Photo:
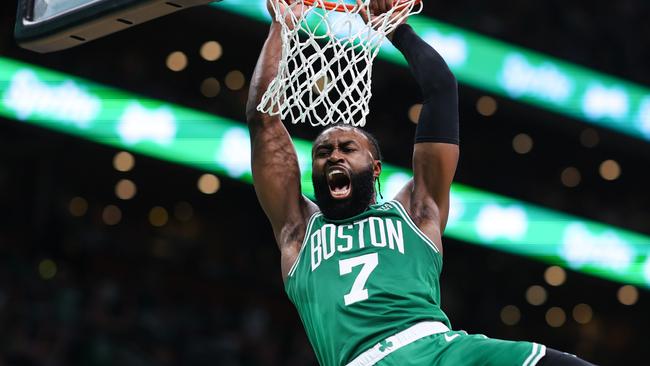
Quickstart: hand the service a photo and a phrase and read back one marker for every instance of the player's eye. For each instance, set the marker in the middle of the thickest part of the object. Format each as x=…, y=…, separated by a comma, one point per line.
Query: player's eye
x=322, y=153
x=347, y=149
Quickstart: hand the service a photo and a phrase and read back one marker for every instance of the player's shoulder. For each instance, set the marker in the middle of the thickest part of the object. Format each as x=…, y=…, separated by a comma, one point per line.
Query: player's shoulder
x=293, y=232
x=309, y=209
x=296, y=225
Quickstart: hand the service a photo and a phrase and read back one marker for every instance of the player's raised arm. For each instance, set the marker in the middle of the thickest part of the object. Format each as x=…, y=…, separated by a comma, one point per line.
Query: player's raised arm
x=435, y=154
x=276, y=174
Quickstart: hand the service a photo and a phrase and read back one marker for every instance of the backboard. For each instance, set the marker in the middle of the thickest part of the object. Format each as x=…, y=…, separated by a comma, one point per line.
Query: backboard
x=53, y=25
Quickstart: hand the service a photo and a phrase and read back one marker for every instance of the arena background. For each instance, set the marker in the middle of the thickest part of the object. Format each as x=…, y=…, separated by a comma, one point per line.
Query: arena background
x=168, y=274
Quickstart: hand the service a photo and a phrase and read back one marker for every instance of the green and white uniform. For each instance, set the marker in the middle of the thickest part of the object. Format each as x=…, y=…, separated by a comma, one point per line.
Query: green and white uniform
x=367, y=291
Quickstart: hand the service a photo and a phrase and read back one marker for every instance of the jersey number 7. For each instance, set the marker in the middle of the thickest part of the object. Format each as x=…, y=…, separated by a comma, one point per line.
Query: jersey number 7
x=358, y=291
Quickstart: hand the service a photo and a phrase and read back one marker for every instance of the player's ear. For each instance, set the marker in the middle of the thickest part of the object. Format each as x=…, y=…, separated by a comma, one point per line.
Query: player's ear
x=376, y=168
x=376, y=172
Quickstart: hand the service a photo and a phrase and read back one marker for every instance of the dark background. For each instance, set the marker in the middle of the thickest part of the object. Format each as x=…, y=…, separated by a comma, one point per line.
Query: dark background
x=207, y=290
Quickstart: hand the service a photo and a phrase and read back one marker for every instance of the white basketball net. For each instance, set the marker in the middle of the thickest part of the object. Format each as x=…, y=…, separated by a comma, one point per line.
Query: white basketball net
x=324, y=75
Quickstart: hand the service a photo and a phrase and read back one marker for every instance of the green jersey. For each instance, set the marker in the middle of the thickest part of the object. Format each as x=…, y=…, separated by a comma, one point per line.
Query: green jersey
x=359, y=280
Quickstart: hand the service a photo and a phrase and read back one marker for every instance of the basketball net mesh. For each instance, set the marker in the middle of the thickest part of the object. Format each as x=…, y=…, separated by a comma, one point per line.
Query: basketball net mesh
x=325, y=72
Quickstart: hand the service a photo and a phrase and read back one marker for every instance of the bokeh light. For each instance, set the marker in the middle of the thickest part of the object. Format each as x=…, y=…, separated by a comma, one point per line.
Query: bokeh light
x=235, y=80
x=111, y=215
x=522, y=143
x=158, y=216
x=536, y=295
x=123, y=161
x=47, y=269
x=628, y=295
x=125, y=189
x=210, y=87
x=211, y=50
x=176, y=61
x=555, y=275
x=486, y=106
x=209, y=183
x=570, y=177
x=582, y=313
x=78, y=206
x=510, y=315
x=609, y=170
x=555, y=317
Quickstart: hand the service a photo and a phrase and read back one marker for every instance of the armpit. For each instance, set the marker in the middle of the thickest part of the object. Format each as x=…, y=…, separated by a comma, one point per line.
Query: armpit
x=424, y=211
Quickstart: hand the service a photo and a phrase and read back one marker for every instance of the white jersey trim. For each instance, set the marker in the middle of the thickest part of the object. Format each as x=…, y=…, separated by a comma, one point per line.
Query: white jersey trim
x=539, y=351
x=304, y=243
x=415, y=228
x=397, y=341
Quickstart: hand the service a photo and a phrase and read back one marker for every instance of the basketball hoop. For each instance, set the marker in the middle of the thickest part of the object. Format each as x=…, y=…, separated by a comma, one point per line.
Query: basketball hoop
x=324, y=75
x=341, y=7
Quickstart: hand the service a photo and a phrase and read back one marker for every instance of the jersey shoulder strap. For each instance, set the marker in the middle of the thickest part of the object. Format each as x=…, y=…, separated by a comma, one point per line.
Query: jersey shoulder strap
x=402, y=211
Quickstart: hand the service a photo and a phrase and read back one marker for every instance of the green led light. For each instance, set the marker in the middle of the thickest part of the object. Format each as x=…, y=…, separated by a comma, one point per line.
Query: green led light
x=181, y=135
x=519, y=74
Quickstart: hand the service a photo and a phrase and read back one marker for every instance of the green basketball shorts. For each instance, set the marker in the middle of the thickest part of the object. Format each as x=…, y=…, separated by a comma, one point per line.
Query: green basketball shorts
x=433, y=344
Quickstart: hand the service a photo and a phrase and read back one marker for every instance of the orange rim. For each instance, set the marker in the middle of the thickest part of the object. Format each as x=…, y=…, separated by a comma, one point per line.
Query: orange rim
x=328, y=5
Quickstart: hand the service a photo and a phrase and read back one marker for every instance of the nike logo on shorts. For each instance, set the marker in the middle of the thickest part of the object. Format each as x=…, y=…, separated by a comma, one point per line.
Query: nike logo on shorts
x=451, y=338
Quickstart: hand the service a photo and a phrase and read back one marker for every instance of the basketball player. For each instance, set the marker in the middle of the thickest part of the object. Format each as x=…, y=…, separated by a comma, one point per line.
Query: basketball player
x=364, y=276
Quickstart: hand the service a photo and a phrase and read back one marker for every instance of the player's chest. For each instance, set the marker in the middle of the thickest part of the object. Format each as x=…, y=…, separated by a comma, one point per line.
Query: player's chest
x=327, y=241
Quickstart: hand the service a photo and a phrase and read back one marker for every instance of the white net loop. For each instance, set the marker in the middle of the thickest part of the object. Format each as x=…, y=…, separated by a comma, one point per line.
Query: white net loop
x=325, y=73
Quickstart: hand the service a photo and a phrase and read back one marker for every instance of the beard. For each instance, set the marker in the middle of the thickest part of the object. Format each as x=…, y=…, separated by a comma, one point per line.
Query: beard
x=362, y=195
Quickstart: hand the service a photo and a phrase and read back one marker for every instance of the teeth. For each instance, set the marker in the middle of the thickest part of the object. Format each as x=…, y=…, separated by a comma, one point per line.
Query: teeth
x=340, y=192
x=337, y=191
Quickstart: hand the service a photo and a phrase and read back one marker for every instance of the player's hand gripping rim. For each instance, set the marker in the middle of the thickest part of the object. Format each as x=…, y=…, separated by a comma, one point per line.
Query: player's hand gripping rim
x=399, y=15
x=292, y=11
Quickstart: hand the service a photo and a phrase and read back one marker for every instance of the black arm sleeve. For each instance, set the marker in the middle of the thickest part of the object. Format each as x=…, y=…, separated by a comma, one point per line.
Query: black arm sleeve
x=556, y=358
x=438, y=120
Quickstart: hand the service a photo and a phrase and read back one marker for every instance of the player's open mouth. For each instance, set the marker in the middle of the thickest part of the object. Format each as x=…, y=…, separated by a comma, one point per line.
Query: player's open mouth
x=338, y=181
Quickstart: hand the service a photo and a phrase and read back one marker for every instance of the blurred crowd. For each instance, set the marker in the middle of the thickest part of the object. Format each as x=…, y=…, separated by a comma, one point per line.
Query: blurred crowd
x=93, y=295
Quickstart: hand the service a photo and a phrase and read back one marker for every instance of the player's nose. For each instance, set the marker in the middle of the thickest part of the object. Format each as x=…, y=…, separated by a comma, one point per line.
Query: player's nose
x=335, y=156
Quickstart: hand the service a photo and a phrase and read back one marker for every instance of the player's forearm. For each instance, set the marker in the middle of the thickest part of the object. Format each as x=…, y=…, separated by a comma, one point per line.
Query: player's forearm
x=438, y=120
x=265, y=70
x=274, y=163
